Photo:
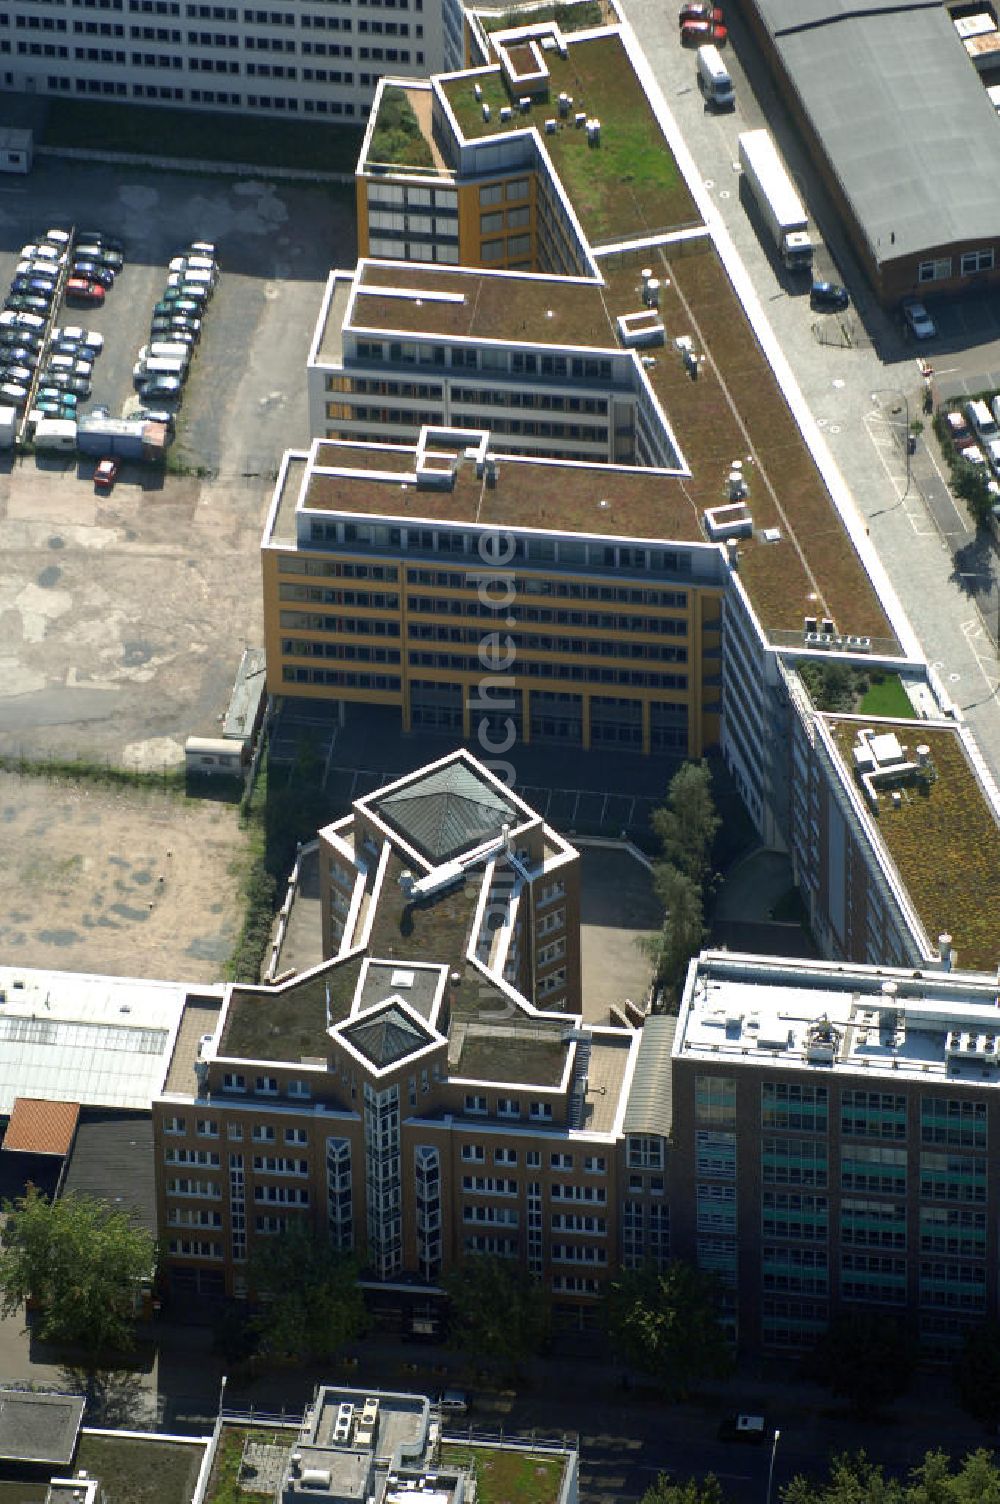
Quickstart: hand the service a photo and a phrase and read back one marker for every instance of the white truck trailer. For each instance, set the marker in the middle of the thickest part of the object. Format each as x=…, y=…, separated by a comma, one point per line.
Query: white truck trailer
x=779, y=203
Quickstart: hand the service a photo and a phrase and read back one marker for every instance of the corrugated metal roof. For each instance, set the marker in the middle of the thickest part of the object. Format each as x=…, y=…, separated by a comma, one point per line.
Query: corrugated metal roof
x=910, y=131
x=650, y=1107
x=40, y=1126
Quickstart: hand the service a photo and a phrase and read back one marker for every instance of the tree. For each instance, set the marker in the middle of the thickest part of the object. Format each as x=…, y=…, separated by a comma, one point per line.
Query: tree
x=310, y=1300
x=973, y=488
x=665, y=1324
x=692, y=1491
x=81, y=1262
x=683, y=932
x=865, y=1358
x=686, y=824
x=855, y=1480
x=497, y=1309
x=977, y=1374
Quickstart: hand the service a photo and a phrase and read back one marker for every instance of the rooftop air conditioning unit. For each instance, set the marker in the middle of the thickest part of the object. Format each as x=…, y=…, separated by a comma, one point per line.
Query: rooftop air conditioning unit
x=505, y=112
x=814, y=640
x=550, y=126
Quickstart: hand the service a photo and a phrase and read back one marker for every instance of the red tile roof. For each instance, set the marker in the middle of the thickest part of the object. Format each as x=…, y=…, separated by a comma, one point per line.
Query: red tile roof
x=38, y=1126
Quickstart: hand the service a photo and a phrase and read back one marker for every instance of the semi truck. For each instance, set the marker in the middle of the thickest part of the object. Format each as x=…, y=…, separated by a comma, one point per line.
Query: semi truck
x=122, y=438
x=776, y=198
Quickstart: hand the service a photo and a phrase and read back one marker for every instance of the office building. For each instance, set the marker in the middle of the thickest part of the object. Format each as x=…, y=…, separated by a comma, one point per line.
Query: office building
x=835, y=1134
x=299, y=59
x=430, y=1091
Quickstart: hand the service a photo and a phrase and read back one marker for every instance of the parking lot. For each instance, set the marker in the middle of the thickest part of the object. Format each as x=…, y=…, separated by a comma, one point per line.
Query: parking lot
x=122, y=618
x=246, y=399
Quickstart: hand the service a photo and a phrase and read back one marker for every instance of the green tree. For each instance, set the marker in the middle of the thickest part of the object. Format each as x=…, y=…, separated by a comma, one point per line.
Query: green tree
x=686, y=824
x=683, y=932
x=705, y=1490
x=310, y=1300
x=81, y=1261
x=855, y=1480
x=977, y=1373
x=665, y=1323
x=866, y=1359
x=497, y=1309
x=971, y=483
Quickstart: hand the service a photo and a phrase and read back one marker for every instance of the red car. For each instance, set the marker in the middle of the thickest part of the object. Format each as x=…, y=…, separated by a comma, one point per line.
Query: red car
x=697, y=33
x=105, y=474
x=81, y=290
x=699, y=10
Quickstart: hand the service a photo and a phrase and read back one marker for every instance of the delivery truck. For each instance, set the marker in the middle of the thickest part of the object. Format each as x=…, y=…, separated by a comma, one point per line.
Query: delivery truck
x=776, y=198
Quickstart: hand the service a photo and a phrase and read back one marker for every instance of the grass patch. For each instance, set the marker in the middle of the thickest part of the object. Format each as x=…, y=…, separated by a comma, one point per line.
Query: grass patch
x=140, y=1472
x=104, y=774
x=509, y=1476
x=284, y=808
x=201, y=135
x=570, y=17
x=224, y=1483
x=397, y=136
x=887, y=697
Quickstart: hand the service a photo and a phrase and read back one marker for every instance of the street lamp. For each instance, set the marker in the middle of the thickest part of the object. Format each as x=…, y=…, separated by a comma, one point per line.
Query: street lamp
x=770, y=1471
x=222, y=1390
x=895, y=392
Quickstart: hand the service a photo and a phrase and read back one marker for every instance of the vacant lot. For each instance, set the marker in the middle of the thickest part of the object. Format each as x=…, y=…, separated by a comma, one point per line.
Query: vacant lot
x=128, y=882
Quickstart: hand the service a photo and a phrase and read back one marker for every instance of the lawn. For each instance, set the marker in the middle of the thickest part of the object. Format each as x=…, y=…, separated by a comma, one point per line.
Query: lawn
x=510, y=1475
x=887, y=697
x=202, y=134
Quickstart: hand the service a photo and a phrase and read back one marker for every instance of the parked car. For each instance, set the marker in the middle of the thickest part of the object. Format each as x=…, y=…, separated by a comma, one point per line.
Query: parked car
x=95, y=272
x=185, y=306
x=42, y=252
x=65, y=382
x=829, y=297
x=12, y=394
x=13, y=372
x=697, y=33
x=161, y=330
x=18, y=355
x=101, y=238
x=65, y=399
x=37, y=269
x=918, y=320
x=90, y=339
x=157, y=415
x=201, y=248
x=105, y=474
x=71, y=365
x=163, y=389
x=699, y=10
x=59, y=238
x=38, y=286
x=83, y=290
x=102, y=254
x=53, y=407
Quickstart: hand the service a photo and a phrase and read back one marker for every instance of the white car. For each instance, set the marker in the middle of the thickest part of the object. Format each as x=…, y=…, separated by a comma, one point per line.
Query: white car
x=40, y=253
x=75, y=334
x=920, y=323
x=71, y=365
x=58, y=237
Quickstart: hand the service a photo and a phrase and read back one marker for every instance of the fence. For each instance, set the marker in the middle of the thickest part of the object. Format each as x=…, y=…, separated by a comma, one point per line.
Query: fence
x=192, y=164
x=284, y=912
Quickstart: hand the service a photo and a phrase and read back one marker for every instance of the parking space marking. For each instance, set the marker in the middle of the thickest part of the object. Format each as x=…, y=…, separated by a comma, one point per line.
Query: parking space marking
x=974, y=631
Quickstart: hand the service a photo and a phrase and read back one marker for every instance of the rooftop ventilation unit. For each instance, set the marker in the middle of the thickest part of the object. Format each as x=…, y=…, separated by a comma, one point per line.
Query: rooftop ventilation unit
x=810, y=624
x=506, y=112
x=486, y=112
x=580, y=119
x=593, y=132
x=525, y=103
x=550, y=126
x=477, y=89
x=565, y=102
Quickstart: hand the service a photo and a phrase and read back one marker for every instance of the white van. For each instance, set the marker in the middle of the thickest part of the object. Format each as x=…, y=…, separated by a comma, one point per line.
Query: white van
x=164, y=350
x=151, y=370
x=713, y=79
x=982, y=420
x=56, y=435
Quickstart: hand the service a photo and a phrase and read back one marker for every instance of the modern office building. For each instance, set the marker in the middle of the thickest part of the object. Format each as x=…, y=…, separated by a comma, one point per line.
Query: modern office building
x=431, y=1090
x=301, y=59
x=835, y=1140
x=551, y=337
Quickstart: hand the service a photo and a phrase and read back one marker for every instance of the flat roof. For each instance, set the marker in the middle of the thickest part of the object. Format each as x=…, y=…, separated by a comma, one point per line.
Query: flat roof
x=39, y=1126
x=112, y=1160
x=800, y=560
x=40, y=1428
x=901, y=113
x=74, y=1037
x=766, y=1013
x=944, y=836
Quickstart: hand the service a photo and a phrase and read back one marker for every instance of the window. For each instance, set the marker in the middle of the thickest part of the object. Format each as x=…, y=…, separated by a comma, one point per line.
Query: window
x=715, y=1154
x=934, y=271
x=541, y=1112
x=505, y=1156
x=793, y=1161
x=872, y=1114
x=208, y=1128
x=957, y=1124
x=873, y=1169
x=490, y=193
x=595, y=1164
x=489, y=224
x=262, y=1134
x=234, y=1133
x=952, y=1177
x=715, y=1101
x=473, y=1154
x=296, y=1136
x=532, y=1159
x=175, y=1125
x=977, y=261
x=561, y=1161
x=508, y=1107
x=872, y=1224
x=517, y=188
x=784, y=1105
x=298, y=1088
x=266, y=1086
x=475, y=1104
x=645, y=1152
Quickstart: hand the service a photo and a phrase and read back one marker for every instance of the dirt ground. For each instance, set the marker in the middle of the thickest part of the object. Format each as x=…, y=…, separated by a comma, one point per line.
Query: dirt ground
x=127, y=882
